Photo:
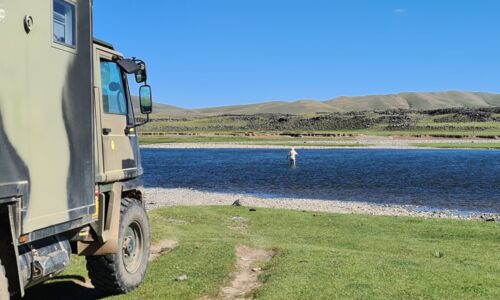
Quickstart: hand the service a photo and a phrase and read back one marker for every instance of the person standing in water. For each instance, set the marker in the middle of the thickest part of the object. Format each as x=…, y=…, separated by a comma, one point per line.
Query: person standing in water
x=292, y=155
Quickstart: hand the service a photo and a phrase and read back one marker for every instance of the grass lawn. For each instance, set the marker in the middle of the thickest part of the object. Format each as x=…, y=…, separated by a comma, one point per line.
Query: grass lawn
x=460, y=145
x=319, y=256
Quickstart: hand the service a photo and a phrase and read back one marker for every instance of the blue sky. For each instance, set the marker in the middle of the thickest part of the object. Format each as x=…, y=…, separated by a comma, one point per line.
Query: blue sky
x=204, y=53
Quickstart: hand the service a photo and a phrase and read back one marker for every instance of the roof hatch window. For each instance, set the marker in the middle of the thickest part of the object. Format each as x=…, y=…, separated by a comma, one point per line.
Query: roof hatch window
x=64, y=23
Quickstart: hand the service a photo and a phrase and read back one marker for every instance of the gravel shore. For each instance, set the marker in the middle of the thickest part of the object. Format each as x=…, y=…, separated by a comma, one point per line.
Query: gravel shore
x=359, y=142
x=160, y=197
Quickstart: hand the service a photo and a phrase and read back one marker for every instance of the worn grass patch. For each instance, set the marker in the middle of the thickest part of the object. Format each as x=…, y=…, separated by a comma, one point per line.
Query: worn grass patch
x=322, y=256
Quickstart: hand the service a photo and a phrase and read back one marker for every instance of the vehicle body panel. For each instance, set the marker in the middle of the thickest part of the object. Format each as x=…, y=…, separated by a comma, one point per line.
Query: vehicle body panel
x=46, y=115
x=62, y=178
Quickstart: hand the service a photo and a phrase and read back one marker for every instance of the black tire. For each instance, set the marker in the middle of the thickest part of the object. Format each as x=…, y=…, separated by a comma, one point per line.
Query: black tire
x=122, y=272
x=4, y=284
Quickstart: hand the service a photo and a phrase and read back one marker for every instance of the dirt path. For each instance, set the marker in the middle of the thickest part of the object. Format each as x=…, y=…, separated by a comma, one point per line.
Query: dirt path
x=246, y=277
x=161, y=248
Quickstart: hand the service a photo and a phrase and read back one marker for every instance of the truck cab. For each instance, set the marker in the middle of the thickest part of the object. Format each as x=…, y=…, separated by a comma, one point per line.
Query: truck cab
x=69, y=156
x=117, y=147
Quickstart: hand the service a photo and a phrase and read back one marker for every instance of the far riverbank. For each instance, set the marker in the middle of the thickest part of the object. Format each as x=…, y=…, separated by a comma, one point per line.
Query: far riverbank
x=358, y=142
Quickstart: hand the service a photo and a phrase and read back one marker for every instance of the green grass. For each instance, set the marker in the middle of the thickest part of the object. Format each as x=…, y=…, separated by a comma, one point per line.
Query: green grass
x=460, y=145
x=319, y=256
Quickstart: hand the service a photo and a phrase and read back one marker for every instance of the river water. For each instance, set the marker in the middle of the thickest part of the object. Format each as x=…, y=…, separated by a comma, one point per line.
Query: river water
x=463, y=180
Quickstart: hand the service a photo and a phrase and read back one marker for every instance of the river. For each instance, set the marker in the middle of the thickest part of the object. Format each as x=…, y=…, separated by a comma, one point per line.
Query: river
x=462, y=180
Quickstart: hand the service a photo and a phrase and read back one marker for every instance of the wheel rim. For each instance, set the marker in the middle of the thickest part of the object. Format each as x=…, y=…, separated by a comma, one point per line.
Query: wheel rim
x=132, y=249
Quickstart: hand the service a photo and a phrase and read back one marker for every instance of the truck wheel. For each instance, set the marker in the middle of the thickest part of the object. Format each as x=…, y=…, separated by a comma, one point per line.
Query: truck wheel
x=122, y=272
x=4, y=284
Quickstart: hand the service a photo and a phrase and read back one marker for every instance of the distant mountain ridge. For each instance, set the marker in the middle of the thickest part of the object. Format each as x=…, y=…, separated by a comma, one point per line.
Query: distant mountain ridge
x=417, y=101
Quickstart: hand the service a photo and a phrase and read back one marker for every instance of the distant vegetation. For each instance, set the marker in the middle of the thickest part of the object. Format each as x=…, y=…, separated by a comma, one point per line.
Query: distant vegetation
x=450, y=122
x=447, y=114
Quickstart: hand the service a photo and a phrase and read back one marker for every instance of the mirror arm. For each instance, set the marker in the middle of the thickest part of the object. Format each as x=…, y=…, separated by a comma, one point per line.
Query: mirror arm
x=143, y=123
x=136, y=60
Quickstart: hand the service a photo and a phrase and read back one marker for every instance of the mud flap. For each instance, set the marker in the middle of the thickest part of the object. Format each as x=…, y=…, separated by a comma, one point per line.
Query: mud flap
x=10, y=215
x=107, y=228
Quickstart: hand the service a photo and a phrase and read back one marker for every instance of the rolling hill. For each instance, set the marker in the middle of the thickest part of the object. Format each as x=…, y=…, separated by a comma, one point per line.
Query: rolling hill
x=417, y=101
x=161, y=110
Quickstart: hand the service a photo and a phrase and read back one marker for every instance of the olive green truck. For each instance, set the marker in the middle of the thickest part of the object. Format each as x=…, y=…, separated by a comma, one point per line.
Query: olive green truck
x=69, y=155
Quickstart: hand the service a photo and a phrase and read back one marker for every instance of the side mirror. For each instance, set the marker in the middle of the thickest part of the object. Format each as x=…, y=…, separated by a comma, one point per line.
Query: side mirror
x=141, y=74
x=146, y=99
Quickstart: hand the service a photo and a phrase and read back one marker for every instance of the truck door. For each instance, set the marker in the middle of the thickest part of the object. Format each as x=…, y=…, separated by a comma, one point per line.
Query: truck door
x=118, y=138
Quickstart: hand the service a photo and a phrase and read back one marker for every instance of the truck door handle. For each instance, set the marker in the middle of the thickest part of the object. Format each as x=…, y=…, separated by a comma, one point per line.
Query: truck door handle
x=106, y=131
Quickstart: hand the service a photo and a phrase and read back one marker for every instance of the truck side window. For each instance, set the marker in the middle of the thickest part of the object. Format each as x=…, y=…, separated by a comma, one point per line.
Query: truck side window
x=64, y=23
x=113, y=90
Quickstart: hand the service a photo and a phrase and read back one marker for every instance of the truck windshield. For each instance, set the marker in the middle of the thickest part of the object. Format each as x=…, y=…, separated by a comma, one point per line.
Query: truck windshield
x=113, y=89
